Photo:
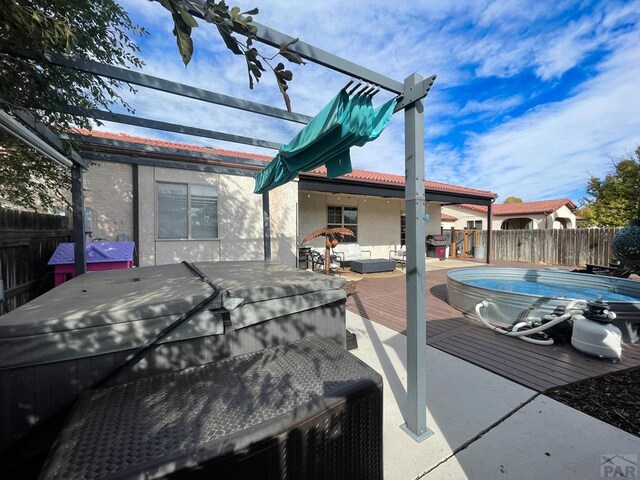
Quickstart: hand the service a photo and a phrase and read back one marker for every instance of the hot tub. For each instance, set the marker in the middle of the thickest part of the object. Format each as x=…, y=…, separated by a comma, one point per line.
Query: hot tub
x=518, y=293
x=63, y=342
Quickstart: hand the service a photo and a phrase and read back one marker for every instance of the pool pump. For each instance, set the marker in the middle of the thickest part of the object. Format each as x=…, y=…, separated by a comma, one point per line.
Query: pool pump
x=587, y=322
x=593, y=333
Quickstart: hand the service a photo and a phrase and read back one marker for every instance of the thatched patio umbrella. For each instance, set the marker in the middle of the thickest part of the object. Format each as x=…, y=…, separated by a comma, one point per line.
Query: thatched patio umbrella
x=333, y=236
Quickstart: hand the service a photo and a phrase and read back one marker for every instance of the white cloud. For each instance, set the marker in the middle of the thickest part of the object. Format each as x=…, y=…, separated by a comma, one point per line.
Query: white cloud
x=552, y=150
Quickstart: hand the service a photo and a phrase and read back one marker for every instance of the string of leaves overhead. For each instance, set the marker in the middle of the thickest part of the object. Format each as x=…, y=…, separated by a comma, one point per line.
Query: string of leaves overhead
x=230, y=22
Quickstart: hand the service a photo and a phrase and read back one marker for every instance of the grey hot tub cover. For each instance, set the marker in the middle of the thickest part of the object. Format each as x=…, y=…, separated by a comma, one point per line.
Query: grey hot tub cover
x=117, y=310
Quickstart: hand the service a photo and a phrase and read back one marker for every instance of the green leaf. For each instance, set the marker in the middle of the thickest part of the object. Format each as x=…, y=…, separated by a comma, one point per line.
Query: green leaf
x=253, y=11
x=185, y=44
x=293, y=57
x=187, y=17
x=230, y=41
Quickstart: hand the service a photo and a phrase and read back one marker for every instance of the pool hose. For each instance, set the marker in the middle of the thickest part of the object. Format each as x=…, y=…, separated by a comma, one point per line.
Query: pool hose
x=571, y=309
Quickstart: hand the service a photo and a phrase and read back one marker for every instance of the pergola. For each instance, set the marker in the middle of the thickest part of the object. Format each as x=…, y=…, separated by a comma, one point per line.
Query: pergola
x=25, y=126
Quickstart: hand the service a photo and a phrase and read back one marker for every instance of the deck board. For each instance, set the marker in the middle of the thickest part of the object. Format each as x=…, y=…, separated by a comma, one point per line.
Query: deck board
x=535, y=366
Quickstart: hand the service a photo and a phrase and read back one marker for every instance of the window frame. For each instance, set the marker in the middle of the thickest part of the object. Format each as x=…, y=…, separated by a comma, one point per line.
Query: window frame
x=342, y=224
x=475, y=225
x=189, y=237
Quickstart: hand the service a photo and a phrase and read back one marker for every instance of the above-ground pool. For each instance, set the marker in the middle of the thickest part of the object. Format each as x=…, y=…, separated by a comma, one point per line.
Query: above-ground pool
x=518, y=293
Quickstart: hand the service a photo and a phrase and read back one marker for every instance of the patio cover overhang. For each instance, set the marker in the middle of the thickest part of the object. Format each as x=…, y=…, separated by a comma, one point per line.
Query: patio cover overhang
x=347, y=185
x=411, y=92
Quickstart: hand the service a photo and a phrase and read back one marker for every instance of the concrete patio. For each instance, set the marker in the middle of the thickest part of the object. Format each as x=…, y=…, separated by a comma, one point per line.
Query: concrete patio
x=485, y=426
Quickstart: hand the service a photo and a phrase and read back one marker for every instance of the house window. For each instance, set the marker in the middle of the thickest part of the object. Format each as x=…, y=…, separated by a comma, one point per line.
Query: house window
x=474, y=224
x=403, y=229
x=187, y=211
x=346, y=217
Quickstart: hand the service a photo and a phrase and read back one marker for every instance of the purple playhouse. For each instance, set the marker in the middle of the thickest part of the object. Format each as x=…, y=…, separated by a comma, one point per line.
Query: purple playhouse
x=100, y=256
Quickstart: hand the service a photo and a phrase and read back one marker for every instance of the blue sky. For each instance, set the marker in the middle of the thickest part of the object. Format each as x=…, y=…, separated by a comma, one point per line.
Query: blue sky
x=531, y=98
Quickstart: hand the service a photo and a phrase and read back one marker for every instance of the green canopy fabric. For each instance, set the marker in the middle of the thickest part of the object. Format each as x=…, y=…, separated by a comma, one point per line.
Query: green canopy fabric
x=344, y=122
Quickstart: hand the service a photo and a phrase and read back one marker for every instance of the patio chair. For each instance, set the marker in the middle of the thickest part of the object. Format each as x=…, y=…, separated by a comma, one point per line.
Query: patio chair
x=317, y=261
x=400, y=255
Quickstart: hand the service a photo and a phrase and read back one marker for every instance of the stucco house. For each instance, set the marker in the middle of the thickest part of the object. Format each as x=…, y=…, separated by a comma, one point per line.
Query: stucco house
x=556, y=214
x=186, y=202
x=447, y=221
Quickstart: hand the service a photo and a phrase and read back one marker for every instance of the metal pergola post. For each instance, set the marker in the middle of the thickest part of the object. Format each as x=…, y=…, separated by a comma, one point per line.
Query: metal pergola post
x=77, y=202
x=266, y=227
x=416, y=411
x=489, y=231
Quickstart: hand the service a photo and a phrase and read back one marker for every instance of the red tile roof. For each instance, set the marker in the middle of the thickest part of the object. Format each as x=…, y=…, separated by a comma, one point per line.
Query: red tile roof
x=447, y=218
x=357, y=175
x=389, y=178
x=177, y=145
x=525, y=208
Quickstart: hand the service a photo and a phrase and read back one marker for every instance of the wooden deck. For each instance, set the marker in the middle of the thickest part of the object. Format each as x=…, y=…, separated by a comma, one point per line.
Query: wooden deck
x=534, y=366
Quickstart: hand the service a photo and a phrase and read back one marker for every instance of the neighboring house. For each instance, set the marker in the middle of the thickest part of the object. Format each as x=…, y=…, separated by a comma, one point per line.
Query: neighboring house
x=447, y=221
x=557, y=214
x=187, y=202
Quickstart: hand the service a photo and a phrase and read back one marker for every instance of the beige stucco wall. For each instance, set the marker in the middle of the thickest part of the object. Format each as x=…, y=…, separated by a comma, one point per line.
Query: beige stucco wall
x=566, y=213
x=240, y=235
x=108, y=190
x=463, y=216
x=159, y=252
x=378, y=219
x=540, y=221
x=283, y=209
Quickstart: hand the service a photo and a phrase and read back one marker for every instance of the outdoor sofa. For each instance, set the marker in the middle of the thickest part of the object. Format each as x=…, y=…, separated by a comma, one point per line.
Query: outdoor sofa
x=348, y=252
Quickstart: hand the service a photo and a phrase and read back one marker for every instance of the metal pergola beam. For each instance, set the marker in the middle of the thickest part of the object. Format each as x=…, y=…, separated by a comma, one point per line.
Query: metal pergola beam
x=15, y=128
x=274, y=38
x=166, y=126
x=321, y=57
x=144, y=149
x=50, y=136
x=151, y=161
x=157, y=83
x=415, y=93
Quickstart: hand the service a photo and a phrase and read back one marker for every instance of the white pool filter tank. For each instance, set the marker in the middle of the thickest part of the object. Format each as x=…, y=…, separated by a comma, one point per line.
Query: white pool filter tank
x=594, y=334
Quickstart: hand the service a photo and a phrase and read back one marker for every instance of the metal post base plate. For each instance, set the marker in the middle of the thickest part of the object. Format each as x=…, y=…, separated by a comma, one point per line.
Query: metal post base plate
x=416, y=438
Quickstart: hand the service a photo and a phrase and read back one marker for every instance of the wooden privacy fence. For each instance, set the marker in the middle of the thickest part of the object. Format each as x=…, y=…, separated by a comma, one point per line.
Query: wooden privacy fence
x=27, y=241
x=571, y=247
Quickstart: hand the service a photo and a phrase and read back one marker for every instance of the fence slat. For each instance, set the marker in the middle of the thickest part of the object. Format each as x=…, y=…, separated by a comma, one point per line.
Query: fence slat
x=570, y=247
x=27, y=241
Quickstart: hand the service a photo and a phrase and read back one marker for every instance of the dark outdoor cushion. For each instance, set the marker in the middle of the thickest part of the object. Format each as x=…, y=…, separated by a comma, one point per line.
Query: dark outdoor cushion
x=374, y=265
x=308, y=409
